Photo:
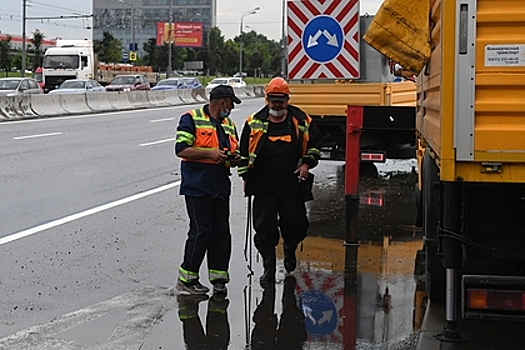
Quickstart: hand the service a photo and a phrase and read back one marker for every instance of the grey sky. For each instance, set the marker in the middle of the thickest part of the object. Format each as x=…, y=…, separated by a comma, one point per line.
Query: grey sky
x=267, y=21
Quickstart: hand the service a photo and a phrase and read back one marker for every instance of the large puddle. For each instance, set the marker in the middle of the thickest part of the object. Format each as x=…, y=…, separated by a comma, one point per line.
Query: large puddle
x=351, y=290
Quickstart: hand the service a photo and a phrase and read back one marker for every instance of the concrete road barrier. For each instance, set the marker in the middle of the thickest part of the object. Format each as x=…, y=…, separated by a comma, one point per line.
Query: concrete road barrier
x=199, y=95
x=249, y=90
x=185, y=96
x=74, y=103
x=240, y=92
x=19, y=107
x=138, y=99
x=16, y=107
x=6, y=107
x=25, y=106
x=157, y=98
x=172, y=97
x=119, y=100
x=47, y=105
x=2, y=115
x=99, y=101
x=258, y=90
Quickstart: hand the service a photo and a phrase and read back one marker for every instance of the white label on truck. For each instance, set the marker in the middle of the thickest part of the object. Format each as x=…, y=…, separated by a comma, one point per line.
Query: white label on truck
x=505, y=55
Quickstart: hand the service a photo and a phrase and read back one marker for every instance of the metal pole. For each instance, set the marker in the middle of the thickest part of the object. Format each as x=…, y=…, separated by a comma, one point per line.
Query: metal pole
x=132, y=44
x=207, y=55
x=240, y=48
x=244, y=14
x=132, y=27
x=23, y=72
x=283, y=41
x=168, y=73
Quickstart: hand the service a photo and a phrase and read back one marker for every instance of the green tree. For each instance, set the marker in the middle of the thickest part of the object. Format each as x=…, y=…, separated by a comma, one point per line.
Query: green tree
x=17, y=60
x=230, y=57
x=5, y=57
x=150, y=47
x=214, y=51
x=38, y=38
x=109, y=49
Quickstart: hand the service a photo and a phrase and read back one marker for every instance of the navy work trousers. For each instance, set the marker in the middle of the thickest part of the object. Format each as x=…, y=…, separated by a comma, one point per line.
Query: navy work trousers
x=209, y=234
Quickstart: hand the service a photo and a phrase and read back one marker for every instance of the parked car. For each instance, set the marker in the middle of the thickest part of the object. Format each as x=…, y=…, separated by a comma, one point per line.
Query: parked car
x=128, y=83
x=73, y=86
x=233, y=81
x=19, y=86
x=178, y=83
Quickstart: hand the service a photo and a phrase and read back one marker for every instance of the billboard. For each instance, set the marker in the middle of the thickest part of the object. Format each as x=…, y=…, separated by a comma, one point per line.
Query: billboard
x=184, y=34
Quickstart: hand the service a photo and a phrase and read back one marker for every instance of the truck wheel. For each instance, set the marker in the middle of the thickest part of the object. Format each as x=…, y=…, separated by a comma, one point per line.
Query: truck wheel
x=431, y=197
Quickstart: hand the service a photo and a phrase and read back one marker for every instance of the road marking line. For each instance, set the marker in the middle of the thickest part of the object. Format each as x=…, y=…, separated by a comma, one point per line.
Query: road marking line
x=156, y=142
x=35, y=136
x=36, y=229
x=143, y=308
x=161, y=120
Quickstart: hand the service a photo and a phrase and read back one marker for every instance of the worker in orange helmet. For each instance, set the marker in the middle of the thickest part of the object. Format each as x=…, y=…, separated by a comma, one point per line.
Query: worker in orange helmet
x=278, y=147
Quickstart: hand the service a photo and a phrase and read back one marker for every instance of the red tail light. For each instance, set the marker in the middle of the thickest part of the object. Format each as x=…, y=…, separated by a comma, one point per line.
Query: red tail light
x=377, y=157
x=491, y=299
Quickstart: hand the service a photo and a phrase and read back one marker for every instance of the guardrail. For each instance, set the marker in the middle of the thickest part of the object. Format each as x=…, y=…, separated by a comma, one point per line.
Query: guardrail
x=42, y=106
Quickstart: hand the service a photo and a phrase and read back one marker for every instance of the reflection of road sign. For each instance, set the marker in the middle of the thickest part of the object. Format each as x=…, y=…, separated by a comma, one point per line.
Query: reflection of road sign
x=321, y=300
x=132, y=56
x=323, y=39
x=125, y=56
x=320, y=315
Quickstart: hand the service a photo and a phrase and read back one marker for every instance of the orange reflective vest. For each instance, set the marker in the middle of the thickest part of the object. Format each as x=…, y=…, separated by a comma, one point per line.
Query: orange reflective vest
x=206, y=136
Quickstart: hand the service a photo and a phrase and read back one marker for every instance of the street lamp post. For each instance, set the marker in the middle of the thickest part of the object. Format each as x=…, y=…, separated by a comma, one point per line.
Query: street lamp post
x=23, y=67
x=132, y=46
x=244, y=14
x=170, y=34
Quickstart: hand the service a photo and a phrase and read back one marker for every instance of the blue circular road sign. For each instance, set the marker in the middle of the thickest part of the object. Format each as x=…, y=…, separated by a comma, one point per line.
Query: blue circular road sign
x=322, y=39
x=320, y=313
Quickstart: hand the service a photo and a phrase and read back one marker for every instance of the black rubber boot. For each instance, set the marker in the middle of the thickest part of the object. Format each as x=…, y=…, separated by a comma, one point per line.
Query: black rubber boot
x=290, y=261
x=268, y=256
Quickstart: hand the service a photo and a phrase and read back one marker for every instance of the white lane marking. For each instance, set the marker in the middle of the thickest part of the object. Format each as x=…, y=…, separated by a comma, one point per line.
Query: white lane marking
x=36, y=136
x=36, y=229
x=142, y=308
x=156, y=142
x=161, y=120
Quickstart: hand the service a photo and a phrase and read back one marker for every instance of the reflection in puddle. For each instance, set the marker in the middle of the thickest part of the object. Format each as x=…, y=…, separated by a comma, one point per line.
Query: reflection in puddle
x=365, y=302
x=341, y=296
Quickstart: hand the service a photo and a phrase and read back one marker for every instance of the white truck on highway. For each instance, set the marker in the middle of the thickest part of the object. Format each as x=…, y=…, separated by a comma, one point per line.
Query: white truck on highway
x=70, y=59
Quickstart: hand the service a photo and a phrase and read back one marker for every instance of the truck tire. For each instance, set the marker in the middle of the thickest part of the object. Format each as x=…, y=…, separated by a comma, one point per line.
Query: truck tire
x=431, y=198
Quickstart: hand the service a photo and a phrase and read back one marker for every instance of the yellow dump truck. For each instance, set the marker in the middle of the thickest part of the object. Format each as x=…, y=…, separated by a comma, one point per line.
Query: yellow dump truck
x=388, y=128
x=471, y=136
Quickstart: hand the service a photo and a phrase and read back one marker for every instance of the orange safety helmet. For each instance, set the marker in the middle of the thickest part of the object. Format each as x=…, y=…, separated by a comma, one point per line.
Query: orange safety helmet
x=277, y=86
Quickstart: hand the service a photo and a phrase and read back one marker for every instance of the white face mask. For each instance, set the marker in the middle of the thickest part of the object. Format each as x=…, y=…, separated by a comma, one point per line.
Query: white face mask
x=275, y=113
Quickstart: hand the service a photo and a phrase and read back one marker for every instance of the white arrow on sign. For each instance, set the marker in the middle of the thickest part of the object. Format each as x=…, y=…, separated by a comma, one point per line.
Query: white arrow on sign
x=332, y=39
x=327, y=316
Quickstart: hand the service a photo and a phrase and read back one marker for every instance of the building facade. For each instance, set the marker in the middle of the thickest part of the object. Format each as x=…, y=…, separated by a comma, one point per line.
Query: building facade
x=125, y=19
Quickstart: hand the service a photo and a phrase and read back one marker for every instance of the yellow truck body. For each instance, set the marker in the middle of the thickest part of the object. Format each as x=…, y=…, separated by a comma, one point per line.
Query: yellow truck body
x=325, y=100
x=327, y=103
x=471, y=110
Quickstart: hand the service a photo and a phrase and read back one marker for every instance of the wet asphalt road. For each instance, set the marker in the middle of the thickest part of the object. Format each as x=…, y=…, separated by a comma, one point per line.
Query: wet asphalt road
x=103, y=281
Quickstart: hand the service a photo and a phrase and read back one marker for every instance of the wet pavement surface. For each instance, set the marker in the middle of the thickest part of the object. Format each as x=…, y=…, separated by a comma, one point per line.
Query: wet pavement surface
x=342, y=295
x=332, y=300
